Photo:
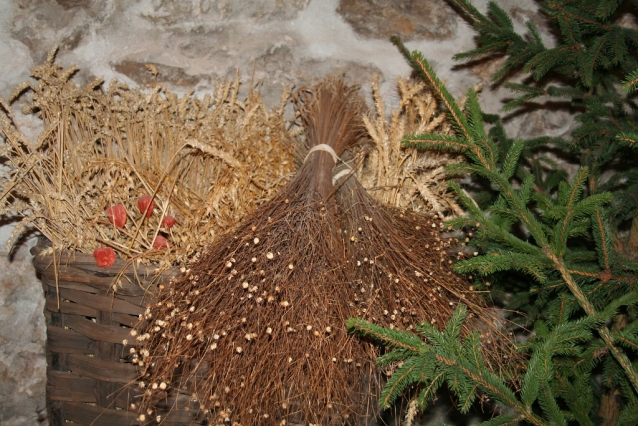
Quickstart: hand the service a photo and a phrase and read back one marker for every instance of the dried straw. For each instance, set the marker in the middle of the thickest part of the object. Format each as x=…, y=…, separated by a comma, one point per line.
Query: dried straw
x=207, y=162
x=407, y=178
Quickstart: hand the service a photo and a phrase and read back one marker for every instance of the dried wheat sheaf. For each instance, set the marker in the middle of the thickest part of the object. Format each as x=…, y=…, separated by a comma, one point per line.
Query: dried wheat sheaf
x=400, y=177
x=254, y=330
x=205, y=162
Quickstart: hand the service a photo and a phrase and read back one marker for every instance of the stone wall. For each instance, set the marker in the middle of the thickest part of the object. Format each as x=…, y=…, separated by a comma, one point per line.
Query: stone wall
x=273, y=43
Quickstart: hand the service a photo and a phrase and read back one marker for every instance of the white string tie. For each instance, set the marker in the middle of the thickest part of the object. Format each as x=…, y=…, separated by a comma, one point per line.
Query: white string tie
x=323, y=147
x=341, y=174
x=335, y=157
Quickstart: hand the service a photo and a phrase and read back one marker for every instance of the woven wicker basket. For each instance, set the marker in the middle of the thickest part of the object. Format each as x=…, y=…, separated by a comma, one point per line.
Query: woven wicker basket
x=88, y=373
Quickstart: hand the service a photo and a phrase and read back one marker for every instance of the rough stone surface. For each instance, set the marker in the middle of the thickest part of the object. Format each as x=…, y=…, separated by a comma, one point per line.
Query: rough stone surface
x=22, y=336
x=273, y=43
x=410, y=19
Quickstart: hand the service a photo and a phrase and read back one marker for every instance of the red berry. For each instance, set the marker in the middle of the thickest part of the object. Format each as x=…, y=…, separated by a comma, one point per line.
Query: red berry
x=146, y=204
x=117, y=215
x=168, y=222
x=104, y=257
x=161, y=243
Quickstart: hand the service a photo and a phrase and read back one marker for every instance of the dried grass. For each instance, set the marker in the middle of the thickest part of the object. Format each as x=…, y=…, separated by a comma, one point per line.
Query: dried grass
x=407, y=178
x=207, y=162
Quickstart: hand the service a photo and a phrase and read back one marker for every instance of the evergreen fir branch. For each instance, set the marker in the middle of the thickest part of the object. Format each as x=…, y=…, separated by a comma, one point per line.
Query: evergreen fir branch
x=436, y=339
x=591, y=204
x=480, y=20
x=455, y=323
x=629, y=138
x=510, y=162
x=534, y=34
x=499, y=17
x=429, y=389
x=579, y=228
x=602, y=235
x=571, y=213
x=629, y=341
x=399, y=382
x=494, y=387
x=501, y=214
x=570, y=30
x=524, y=194
x=397, y=355
x=517, y=102
x=630, y=35
x=530, y=92
x=585, y=71
x=554, y=8
x=544, y=202
x=631, y=327
x=547, y=401
x=578, y=397
x=568, y=345
x=404, y=50
x=630, y=83
x=460, y=169
x=612, y=308
x=496, y=231
x=396, y=339
x=626, y=388
x=524, y=88
x=597, y=53
x=472, y=347
x=510, y=244
x=488, y=264
x=544, y=61
x=516, y=59
x=624, y=47
x=603, y=330
x=466, y=401
x=568, y=195
x=628, y=415
x=606, y=8
x=441, y=91
x=533, y=380
x=564, y=312
x=425, y=70
x=475, y=120
x=581, y=257
x=534, y=224
x=436, y=141
x=485, y=50
x=564, y=92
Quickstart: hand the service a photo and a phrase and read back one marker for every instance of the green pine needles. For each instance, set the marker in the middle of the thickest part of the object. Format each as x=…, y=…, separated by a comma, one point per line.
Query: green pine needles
x=593, y=61
x=549, y=246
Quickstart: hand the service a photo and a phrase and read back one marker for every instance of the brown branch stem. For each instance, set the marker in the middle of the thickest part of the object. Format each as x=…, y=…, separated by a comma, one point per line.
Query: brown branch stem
x=591, y=311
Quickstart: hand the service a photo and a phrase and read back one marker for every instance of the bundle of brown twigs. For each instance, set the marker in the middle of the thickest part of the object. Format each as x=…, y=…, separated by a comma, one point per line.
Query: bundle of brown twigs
x=255, y=329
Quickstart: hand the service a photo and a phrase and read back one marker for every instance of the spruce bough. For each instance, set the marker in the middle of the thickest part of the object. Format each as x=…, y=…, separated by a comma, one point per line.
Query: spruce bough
x=555, y=241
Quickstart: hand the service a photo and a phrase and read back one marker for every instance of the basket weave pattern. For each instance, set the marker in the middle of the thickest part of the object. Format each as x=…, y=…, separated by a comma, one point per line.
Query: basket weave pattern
x=88, y=366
